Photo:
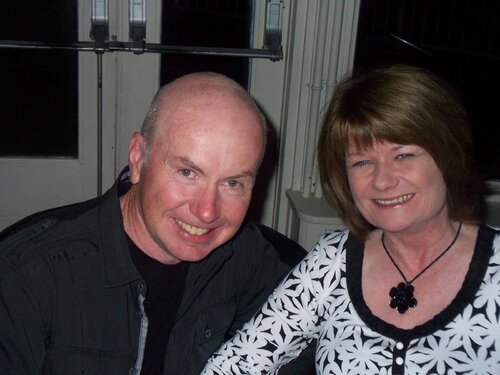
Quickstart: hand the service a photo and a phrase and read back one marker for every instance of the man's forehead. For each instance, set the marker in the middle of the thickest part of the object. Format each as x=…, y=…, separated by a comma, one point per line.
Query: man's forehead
x=220, y=113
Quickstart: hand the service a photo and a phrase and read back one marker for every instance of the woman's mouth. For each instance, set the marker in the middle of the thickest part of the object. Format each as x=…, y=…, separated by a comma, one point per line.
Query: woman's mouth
x=398, y=200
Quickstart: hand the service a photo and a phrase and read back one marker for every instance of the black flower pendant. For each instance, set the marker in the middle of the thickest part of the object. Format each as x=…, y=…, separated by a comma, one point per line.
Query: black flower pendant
x=402, y=297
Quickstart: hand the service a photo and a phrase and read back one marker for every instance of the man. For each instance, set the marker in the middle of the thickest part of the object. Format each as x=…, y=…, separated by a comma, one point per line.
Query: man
x=154, y=275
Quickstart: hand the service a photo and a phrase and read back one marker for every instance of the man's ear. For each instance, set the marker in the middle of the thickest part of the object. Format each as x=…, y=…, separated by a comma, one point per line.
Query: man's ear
x=136, y=156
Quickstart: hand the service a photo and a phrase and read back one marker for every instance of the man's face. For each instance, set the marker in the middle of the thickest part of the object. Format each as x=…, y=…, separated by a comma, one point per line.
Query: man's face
x=193, y=192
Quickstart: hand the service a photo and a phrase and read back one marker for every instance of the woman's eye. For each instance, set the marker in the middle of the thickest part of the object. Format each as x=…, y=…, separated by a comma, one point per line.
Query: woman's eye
x=405, y=156
x=360, y=163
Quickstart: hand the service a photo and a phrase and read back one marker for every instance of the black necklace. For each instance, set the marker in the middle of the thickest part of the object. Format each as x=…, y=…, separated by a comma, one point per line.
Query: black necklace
x=402, y=295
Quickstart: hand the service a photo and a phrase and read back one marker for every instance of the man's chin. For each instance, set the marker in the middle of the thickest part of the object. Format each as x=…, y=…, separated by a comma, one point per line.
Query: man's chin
x=195, y=256
x=195, y=250
x=195, y=253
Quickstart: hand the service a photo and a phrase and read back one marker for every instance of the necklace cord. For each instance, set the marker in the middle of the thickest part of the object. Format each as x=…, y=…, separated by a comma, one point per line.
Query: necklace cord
x=429, y=265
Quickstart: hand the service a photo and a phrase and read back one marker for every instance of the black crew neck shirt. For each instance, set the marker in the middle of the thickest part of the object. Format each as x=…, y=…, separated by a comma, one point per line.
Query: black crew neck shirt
x=165, y=286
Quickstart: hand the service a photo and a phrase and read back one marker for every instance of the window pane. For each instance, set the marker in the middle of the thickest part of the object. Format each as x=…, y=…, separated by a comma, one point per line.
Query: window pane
x=39, y=88
x=206, y=23
x=461, y=42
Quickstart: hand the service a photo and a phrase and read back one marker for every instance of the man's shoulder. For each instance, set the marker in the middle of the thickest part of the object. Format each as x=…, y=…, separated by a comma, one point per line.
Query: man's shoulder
x=44, y=230
x=260, y=238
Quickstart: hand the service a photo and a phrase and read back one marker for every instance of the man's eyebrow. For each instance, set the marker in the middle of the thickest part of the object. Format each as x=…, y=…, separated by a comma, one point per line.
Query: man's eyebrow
x=191, y=164
x=243, y=174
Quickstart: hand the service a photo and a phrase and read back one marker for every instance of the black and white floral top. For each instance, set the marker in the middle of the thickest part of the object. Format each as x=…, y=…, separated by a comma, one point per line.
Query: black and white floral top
x=322, y=299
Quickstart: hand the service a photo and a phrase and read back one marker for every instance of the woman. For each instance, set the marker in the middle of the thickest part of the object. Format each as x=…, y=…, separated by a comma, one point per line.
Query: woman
x=413, y=285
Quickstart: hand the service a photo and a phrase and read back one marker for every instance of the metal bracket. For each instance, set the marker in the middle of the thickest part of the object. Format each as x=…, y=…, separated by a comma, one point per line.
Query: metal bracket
x=100, y=24
x=137, y=25
x=274, y=20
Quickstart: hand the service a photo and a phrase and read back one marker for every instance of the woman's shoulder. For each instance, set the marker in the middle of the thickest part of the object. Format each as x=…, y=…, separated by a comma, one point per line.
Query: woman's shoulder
x=333, y=245
x=489, y=236
x=333, y=240
x=491, y=228
x=488, y=241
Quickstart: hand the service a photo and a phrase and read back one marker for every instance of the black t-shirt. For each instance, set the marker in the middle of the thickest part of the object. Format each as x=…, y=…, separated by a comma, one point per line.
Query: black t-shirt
x=165, y=286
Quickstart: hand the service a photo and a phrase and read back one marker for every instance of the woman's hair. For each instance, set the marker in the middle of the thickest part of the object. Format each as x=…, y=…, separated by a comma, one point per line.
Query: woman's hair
x=404, y=105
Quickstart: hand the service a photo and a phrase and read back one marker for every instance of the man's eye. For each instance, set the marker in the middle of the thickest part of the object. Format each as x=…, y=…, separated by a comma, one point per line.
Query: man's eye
x=186, y=173
x=233, y=184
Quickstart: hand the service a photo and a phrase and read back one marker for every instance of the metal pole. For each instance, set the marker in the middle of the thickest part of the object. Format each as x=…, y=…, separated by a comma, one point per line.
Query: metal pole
x=99, y=124
x=112, y=46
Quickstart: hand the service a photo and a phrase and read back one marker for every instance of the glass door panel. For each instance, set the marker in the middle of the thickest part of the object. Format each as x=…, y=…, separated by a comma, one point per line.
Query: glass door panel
x=39, y=88
x=208, y=24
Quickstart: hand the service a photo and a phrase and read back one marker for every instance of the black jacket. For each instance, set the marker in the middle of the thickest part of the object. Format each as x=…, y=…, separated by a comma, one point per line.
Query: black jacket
x=71, y=297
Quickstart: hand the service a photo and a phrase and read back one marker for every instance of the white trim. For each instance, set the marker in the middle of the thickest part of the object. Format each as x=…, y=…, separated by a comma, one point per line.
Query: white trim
x=266, y=85
x=301, y=110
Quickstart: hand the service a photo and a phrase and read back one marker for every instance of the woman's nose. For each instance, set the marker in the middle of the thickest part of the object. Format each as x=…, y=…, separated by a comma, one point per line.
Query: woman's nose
x=384, y=177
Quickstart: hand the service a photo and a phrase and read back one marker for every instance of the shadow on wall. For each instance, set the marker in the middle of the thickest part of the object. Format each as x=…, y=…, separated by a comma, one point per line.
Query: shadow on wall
x=266, y=171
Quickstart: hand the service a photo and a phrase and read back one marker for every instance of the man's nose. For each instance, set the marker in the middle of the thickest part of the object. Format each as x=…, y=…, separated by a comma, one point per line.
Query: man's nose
x=207, y=206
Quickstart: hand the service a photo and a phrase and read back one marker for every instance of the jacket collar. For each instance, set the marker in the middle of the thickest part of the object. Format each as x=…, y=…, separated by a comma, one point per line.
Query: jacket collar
x=119, y=267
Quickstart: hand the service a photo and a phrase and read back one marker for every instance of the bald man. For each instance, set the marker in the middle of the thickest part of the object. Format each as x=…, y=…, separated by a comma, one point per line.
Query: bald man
x=152, y=277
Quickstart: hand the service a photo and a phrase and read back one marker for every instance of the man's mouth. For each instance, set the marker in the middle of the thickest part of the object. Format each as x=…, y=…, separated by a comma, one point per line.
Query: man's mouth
x=192, y=229
x=398, y=200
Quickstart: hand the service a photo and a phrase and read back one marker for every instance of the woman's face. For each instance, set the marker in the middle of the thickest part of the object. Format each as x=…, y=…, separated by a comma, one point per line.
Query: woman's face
x=397, y=187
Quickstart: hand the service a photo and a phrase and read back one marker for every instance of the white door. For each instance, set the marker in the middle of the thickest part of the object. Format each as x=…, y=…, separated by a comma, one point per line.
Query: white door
x=31, y=184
